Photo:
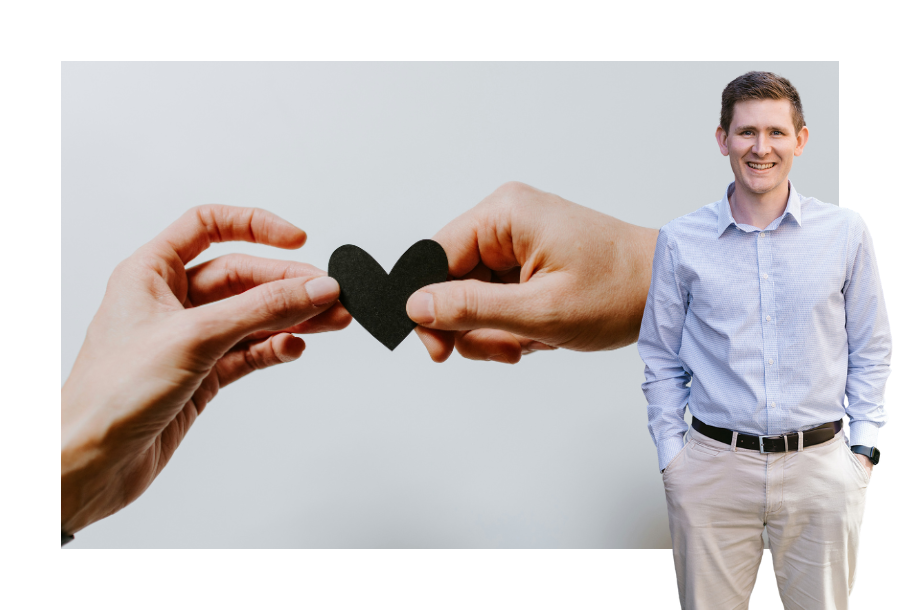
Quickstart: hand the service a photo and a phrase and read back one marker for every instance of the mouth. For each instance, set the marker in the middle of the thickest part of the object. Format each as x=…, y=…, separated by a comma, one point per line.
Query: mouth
x=760, y=167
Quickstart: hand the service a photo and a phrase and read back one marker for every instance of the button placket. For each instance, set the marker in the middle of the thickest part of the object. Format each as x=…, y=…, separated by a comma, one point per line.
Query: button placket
x=765, y=261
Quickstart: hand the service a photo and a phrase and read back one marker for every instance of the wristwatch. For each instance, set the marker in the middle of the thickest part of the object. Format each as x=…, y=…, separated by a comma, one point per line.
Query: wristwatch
x=870, y=452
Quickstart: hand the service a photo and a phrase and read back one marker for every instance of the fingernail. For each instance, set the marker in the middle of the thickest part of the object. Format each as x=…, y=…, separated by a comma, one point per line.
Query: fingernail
x=499, y=358
x=420, y=308
x=322, y=290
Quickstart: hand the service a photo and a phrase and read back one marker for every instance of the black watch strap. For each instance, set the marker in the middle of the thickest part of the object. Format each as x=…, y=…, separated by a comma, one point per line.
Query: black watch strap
x=870, y=452
x=66, y=538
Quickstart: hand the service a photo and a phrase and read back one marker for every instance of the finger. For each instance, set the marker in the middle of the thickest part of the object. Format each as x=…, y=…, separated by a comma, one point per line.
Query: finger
x=439, y=343
x=498, y=232
x=271, y=306
x=334, y=318
x=496, y=345
x=206, y=224
x=233, y=274
x=481, y=272
x=489, y=344
x=523, y=309
x=477, y=237
x=253, y=356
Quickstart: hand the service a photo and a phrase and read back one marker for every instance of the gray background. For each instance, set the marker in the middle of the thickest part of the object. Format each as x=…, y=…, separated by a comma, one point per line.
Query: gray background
x=352, y=445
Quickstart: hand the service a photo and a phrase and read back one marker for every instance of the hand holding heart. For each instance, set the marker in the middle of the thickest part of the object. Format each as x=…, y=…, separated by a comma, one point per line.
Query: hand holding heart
x=153, y=359
x=534, y=271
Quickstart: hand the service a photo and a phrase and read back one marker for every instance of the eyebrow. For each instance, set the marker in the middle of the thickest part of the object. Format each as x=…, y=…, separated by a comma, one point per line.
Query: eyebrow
x=745, y=127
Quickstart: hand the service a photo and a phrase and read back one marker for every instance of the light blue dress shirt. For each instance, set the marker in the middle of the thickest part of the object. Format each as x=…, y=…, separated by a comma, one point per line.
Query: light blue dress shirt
x=771, y=328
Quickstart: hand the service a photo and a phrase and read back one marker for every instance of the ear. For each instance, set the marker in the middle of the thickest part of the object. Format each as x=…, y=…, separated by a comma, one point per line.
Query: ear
x=722, y=139
x=802, y=139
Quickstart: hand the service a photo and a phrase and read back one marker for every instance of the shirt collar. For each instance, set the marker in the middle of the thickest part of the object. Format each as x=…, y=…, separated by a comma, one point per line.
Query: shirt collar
x=726, y=219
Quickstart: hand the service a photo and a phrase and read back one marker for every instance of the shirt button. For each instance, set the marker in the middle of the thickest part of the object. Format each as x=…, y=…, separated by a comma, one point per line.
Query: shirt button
x=762, y=234
x=768, y=318
x=765, y=276
x=771, y=361
x=772, y=405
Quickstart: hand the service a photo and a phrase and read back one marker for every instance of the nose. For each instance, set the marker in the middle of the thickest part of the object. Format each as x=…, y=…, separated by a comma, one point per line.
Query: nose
x=761, y=147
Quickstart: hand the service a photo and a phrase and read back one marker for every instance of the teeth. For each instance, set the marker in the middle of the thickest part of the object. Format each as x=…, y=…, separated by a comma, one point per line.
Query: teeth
x=761, y=165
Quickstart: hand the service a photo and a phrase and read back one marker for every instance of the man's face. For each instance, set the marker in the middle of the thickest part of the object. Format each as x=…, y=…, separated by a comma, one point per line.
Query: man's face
x=761, y=144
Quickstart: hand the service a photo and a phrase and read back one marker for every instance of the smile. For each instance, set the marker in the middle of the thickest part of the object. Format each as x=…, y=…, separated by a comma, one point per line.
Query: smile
x=761, y=165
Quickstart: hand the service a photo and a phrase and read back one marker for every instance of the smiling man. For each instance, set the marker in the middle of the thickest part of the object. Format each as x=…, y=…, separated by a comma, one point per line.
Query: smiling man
x=765, y=311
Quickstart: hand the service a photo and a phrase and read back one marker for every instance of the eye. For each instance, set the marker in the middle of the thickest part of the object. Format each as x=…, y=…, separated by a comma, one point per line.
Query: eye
x=778, y=133
x=746, y=132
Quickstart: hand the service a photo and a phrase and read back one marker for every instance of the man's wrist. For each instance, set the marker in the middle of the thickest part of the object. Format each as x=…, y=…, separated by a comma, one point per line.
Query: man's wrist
x=872, y=454
x=640, y=245
x=668, y=449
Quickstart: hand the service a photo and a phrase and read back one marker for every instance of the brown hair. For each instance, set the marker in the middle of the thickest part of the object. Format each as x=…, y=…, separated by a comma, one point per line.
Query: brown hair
x=760, y=86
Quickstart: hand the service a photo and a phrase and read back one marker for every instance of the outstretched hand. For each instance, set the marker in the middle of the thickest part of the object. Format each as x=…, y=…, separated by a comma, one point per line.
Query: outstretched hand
x=153, y=359
x=531, y=272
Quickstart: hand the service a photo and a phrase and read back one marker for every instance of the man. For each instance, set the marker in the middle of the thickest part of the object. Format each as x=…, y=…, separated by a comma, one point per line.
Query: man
x=764, y=310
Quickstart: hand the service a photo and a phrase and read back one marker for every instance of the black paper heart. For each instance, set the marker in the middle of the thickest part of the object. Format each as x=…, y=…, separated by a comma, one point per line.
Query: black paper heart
x=376, y=299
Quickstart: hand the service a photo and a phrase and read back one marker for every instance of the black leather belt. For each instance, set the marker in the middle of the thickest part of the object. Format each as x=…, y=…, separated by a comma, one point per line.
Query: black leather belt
x=771, y=443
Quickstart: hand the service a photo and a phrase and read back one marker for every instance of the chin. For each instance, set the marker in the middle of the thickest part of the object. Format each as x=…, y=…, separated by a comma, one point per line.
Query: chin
x=761, y=187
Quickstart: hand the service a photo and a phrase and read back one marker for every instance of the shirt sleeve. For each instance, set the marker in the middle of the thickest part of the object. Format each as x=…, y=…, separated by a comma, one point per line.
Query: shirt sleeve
x=868, y=338
x=666, y=382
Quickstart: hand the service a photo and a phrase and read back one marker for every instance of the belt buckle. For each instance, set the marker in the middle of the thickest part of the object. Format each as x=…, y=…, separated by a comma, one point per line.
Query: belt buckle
x=762, y=448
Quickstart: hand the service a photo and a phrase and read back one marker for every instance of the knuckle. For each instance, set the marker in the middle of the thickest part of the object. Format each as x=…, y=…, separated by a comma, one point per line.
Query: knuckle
x=140, y=266
x=235, y=269
x=513, y=194
x=204, y=214
x=252, y=360
x=513, y=189
x=274, y=300
x=209, y=215
x=472, y=301
x=147, y=256
x=208, y=211
x=121, y=271
x=233, y=281
x=460, y=303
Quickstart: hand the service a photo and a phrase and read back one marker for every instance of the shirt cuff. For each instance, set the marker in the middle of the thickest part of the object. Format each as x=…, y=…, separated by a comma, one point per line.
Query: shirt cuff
x=864, y=433
x=668, y=449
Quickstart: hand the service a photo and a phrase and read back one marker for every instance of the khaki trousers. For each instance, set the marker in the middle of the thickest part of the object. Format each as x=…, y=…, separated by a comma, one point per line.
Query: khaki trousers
x=810, y=502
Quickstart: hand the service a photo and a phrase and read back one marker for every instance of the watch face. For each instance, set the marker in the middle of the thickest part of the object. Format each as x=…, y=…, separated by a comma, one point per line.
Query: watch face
x=876, y=455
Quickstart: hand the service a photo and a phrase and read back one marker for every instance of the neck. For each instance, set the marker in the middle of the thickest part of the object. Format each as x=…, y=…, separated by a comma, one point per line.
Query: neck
x=758, y=209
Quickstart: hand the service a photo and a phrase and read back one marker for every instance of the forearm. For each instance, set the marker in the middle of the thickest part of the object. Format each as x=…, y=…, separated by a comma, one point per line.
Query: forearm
x=666, y=380
x=865, y=404
x=868, y=340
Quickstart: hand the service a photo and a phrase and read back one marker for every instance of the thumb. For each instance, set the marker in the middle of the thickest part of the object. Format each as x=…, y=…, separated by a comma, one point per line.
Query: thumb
x=472, y=304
